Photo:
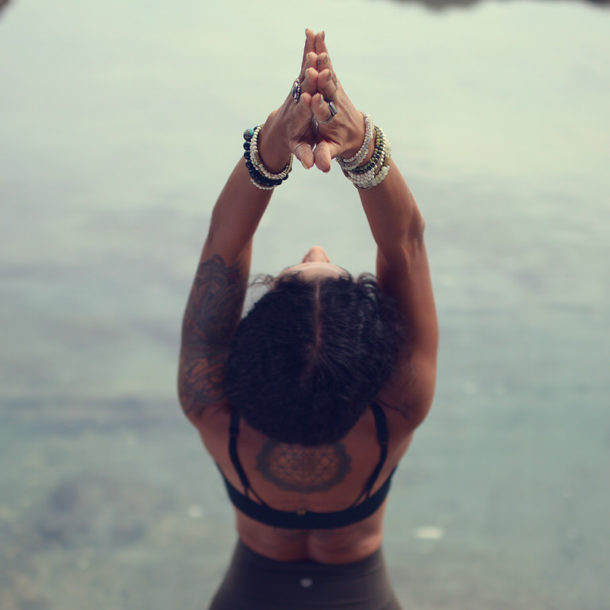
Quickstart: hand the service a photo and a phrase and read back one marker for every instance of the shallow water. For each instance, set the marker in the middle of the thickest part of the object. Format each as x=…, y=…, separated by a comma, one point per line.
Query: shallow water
x=118, y=129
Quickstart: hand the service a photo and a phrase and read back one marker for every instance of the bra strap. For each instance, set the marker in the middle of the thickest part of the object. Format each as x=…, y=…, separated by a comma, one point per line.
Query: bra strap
x=233, y=434
x=382, y=438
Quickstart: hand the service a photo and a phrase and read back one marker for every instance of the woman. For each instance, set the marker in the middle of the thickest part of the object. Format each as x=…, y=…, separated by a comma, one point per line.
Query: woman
x=309, y=402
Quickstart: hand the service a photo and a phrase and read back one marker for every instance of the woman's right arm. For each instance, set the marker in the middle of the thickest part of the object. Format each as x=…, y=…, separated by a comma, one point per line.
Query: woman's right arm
x=397, y=226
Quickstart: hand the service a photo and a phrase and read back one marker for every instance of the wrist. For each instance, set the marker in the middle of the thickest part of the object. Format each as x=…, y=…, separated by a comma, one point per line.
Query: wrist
x=273, y=147
x=369, y=152
x=358, y=133
x=364, y=142
x=260, y=175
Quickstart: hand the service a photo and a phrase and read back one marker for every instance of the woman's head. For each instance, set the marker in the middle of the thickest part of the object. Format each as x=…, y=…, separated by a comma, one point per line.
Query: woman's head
x=315, y=265
x=311, y=354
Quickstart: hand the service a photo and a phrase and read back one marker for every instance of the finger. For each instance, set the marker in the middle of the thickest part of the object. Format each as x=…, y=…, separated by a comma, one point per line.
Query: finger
x=304, y=105
x=324, y=153
x=301, y=148
x=310, y=45
x=327, y=84
x=311, y=59
x=302, y=115
x=320, y=109
x=310, y=83
x=304, y=153
x=319, y=43
x=323, y=62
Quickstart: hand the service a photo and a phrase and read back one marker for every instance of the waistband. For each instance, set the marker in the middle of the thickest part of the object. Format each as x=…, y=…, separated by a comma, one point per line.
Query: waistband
x=254, y=560
x=256, y=582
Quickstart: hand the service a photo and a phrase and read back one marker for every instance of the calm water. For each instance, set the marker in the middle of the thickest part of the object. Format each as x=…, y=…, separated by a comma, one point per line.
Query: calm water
x=118, y=128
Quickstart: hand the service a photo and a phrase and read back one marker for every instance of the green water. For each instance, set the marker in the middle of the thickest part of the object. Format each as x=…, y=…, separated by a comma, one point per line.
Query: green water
x=118, y=127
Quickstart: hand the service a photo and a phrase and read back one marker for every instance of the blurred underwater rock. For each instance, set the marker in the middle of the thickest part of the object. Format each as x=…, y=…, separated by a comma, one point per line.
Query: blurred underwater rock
x=19, y=589
x=98, y=511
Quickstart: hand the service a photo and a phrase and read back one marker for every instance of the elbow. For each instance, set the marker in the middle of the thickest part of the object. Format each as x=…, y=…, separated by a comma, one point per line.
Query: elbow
x=182, y=387
x=186, y=398
x=417, y=227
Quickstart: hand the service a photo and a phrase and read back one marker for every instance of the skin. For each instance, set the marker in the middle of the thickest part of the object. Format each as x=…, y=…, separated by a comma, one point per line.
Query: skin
x=290, y=477
x=315, y=265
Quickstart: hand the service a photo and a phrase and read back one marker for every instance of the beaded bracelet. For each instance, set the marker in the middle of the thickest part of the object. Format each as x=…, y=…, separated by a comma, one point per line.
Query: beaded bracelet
x=356, y=160
x=377, y=179
x=260, y=176
x=258, y=162
x=377, y=168
x=377, y=152
x=372, y=169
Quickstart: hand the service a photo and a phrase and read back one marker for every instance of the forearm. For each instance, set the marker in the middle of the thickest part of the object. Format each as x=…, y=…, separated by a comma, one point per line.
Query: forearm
x=395, y=220
x=403, y=272
x=235, y=218
x=241, y=204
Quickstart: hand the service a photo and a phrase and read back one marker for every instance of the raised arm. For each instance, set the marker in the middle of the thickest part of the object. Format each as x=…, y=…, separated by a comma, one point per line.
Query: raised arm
x=216, y=299
x=403, y=272
x=398, y=229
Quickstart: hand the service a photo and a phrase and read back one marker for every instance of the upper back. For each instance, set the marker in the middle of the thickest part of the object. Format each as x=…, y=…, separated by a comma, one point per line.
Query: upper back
x=323, y=479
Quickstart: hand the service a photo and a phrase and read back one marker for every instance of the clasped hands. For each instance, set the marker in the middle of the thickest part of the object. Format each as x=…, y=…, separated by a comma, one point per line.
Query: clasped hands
x=303, y=128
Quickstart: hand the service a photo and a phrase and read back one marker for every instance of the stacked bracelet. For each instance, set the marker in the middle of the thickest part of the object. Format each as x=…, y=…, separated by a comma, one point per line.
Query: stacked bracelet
x=377, y=152
x=260, y=176
x=374, y=171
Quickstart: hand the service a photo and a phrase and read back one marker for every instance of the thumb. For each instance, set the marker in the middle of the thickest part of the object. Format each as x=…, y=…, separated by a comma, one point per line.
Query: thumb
x=324, y=153
x=304, y=153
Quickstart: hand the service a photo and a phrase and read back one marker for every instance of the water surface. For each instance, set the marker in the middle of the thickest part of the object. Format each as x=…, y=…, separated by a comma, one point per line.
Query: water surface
x=119, y=126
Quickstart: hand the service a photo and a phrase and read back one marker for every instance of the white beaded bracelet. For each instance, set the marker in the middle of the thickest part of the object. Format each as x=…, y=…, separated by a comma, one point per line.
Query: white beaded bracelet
x=260, y=186
x=258, y=162
x=381, y=151
x=356, y=160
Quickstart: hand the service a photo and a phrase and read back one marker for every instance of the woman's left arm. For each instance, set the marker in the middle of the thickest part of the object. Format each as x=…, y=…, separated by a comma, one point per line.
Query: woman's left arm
x=216, y=299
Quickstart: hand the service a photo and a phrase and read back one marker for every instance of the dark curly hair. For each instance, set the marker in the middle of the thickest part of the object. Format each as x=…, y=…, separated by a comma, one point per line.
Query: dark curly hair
x=310, y=356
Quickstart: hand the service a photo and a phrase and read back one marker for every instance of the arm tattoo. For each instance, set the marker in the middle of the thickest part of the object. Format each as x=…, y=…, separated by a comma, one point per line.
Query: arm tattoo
x=303, y=469
x=212, y=314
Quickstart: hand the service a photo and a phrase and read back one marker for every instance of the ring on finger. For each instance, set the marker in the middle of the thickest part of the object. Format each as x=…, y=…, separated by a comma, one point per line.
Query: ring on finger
x=333, y=112
x=296, y=91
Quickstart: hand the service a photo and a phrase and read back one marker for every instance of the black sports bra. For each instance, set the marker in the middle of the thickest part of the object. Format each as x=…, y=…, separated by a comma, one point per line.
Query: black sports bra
x=262, y=512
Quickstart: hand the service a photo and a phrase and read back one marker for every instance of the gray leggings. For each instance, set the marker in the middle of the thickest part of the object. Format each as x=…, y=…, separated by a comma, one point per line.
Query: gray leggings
x=255, y=582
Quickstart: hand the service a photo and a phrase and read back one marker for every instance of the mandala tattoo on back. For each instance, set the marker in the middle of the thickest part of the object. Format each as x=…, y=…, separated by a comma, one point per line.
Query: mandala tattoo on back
x=303, y=469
